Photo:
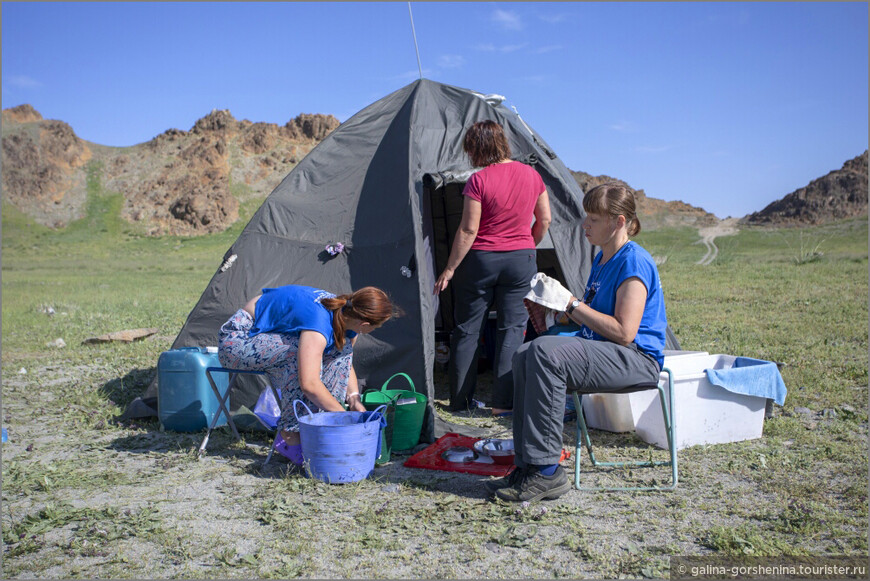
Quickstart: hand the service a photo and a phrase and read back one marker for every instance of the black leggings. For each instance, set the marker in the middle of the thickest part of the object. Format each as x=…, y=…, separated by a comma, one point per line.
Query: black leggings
x=485, y=279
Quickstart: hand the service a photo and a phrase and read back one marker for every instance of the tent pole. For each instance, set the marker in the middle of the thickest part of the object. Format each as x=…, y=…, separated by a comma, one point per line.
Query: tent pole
x=414, y=33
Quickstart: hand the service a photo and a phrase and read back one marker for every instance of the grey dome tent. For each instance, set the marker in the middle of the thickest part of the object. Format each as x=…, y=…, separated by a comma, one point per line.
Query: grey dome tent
x=386, y=184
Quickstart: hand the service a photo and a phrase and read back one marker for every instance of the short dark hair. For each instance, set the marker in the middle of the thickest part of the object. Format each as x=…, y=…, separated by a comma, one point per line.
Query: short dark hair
x=486, y=144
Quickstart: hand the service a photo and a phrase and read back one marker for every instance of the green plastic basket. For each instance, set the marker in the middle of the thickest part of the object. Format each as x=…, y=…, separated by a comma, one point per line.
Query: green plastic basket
x=386, y=431
x=410, y=407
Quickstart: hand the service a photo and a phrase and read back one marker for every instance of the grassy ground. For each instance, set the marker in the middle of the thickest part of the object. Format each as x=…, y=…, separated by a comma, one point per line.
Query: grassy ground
x=84, y=496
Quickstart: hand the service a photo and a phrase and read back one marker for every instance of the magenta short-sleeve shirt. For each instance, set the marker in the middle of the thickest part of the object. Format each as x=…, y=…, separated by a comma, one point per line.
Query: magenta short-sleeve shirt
x=507, y=193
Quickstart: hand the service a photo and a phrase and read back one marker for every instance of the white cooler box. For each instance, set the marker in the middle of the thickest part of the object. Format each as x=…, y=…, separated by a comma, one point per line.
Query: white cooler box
x=704, y=413
x=614, y=412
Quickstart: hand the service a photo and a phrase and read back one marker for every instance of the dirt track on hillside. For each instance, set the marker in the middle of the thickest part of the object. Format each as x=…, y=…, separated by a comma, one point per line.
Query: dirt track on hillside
x=708, y=236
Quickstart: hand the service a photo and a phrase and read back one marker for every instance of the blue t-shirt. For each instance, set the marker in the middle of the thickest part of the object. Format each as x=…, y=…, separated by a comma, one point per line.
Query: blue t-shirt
x=292, y=309
x=629, y=261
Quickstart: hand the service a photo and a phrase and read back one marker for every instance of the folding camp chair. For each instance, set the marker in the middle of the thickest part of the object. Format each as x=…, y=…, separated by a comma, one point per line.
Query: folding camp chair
x=224, y=408
x=582, y=436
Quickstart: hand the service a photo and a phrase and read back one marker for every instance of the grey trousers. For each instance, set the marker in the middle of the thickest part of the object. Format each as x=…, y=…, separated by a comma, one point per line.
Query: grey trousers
x=546, y=368
x=482, y=280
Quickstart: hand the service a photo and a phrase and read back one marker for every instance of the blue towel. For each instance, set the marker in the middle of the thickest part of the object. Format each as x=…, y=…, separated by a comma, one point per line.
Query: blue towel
x=569, y=330
x=751, y=377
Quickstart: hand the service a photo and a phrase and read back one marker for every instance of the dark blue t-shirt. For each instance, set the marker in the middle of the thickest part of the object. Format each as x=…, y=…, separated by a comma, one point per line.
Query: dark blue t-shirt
x=292, y=309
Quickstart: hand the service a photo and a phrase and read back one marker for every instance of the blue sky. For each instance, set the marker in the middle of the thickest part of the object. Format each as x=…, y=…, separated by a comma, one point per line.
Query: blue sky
x=724, y=105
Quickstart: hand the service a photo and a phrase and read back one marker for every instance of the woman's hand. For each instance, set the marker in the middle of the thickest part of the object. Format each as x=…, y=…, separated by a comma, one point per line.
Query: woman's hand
x=355, y=405
x=443, y=280
x=462, y=242
x=353, y=398
x=537, y=315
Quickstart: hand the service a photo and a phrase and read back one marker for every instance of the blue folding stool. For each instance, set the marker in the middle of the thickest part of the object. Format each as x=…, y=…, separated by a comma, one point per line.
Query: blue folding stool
x=223, y=400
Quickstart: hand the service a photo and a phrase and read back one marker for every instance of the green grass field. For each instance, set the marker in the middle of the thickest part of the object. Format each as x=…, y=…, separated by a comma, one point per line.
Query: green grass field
x=795, y=296
x=761, y=298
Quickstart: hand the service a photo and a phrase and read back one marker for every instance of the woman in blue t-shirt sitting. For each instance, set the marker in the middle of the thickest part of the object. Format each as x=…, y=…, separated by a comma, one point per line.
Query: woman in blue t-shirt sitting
x=611, y=339
x=303, y=338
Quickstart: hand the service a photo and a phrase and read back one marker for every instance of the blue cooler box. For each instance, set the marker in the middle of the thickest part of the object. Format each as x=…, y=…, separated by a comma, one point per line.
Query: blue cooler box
x=185, y=400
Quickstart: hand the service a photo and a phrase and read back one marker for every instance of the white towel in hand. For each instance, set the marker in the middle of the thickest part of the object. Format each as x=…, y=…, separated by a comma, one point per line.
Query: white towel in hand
x=548, y=292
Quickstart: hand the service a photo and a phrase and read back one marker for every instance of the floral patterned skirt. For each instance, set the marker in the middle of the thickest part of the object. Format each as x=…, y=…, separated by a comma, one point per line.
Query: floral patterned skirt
x=276, y=354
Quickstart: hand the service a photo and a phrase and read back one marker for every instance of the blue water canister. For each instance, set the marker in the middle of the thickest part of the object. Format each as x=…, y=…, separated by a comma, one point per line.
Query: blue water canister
x=185, y=400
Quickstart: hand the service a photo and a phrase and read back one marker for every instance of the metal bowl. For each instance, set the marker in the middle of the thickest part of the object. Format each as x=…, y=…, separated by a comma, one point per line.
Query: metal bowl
x=501, y=451
x=459, y=454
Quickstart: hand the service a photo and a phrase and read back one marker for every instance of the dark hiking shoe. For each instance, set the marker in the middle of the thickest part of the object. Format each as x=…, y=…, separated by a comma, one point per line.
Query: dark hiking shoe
x=535, y=486
x=506, y=482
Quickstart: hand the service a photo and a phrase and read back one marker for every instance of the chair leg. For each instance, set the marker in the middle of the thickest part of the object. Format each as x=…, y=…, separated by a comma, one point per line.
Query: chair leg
x=226, y=408
x=277, y=397
x=578, y=442
x=670, y=425
x=271, y=449
x=582, y=436
x=582, y=439
x=222, y=409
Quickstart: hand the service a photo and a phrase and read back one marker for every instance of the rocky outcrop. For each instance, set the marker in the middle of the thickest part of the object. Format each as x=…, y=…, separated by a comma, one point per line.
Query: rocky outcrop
x=180, y=183
x=43, y=167
x=838, y=195
x=311, y=127
x=21, y=114
x=653, y=213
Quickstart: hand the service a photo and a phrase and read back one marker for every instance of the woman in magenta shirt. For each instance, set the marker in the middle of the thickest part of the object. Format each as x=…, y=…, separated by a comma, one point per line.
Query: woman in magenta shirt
x=492, y=261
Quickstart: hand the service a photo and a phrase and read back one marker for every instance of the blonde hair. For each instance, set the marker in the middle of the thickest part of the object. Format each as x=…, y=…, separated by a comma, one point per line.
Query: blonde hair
x=614, y=199
x=368, y=304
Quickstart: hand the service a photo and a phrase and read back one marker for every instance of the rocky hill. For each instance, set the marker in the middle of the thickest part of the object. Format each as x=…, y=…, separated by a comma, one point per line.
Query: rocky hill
x=840, y=194
x=654, y=213
x=180, y=182
x=193, y=182
x=43, y=166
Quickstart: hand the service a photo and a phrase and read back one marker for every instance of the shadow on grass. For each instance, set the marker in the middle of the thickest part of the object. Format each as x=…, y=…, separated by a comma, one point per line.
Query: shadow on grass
x=123, y=390
x=171, y=449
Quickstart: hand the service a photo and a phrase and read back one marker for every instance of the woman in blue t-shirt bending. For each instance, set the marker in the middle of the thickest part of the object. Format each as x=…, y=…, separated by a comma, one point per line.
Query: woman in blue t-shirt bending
x=617, y=341
x=303, y=338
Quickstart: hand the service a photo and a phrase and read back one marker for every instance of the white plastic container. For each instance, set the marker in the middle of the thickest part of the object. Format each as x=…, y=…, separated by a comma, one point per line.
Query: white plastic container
x=704, y=413
x=614, y=412
x=608, y=411
x=676, y=357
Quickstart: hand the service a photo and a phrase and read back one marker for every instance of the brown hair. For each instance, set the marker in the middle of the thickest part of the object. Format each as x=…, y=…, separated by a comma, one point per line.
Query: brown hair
x=486, y=144
x=369, y=304
x=614, y=199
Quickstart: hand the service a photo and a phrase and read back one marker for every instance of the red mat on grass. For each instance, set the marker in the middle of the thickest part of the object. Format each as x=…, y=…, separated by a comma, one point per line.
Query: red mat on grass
x=430, y=458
